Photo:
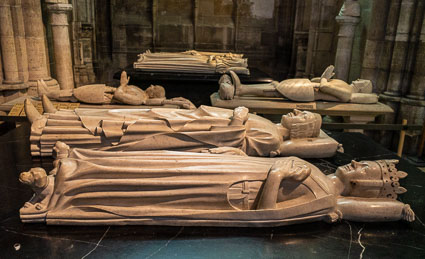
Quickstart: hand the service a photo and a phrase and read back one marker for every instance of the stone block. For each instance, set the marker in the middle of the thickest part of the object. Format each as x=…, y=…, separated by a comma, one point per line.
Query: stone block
x=206, y=8
x=249, y=38
x=177, y=8
x=221, y=36
x=10, y=95
x=268, y=39
x=137, y=35
x=216, y=21
x=223, y=7
x=325, y=42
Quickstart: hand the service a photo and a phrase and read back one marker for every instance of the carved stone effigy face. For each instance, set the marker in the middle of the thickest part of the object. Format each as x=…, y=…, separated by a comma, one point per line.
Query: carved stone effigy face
x=370, y=179
x=302, y=124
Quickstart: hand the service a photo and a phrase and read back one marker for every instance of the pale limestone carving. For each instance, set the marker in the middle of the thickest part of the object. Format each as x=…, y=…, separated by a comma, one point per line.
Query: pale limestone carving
x=192, y=62
x=348, y=18
x=103, y=94
x=350, y=8
x=61, y=43
x=89, y=187
x=206, y=129
x=301, y=89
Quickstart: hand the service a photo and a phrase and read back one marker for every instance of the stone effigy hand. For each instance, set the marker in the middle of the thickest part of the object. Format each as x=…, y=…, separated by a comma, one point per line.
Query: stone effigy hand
x=291, y=170
x=225, y=150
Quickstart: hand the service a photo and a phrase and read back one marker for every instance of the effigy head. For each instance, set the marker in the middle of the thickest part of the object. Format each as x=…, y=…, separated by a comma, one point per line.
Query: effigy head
x=302, y=124
x=362, y=86
x=155, y=91
x=35, y=177
x=371, y=179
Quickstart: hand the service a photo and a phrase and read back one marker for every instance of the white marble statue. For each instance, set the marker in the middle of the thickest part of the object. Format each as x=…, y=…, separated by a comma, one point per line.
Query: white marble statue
x=89, y=187
x=206, y=129
x=154, y=95
x=301, y=89
x=192, y=61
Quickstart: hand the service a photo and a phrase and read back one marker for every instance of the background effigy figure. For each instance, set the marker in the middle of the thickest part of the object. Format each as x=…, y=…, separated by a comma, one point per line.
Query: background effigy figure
x=206, y=129
x=192, y=61
x=103, y=94
x=89, y=187
x=301, y=89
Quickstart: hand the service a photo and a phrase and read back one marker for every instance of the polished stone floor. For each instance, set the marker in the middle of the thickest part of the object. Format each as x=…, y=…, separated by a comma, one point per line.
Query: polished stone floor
x=314, y=240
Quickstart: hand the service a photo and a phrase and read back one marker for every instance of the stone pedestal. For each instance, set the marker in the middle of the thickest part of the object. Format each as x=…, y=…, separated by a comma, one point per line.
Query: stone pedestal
x=61, y=44
x=347, y=26
x=36, y=46
x=9, y=60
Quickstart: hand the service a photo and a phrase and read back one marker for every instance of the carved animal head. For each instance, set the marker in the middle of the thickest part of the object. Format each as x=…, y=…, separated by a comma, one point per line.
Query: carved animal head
x=60, y=150
x=371, y=179
x=302, y=124
x=35, y=177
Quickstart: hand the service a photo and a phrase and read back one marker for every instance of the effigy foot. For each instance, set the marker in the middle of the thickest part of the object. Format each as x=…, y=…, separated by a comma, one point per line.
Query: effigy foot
x=236, y=82
x=31, y=111
x=47, y=104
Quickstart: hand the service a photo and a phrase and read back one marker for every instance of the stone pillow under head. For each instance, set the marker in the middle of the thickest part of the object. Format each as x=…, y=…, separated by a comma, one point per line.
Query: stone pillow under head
x=337, y=88
x=363, y=98
x=321, y=147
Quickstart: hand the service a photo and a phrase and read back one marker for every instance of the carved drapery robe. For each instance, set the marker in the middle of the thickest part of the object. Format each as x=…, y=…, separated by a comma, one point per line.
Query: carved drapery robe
x=175, y=188
x=156, y=129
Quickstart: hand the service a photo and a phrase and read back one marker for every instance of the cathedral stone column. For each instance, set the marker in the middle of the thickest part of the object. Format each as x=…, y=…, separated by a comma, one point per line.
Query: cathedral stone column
x=36, y=46
x=375, y=44
x=20, y=45
x=347, y=19
x=7, y=39
x=401, y=48
x=61, y=44
x=417, y=87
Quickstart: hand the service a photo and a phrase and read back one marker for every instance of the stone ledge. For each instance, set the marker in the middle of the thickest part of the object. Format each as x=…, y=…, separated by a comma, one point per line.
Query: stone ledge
x=12, y=86
x=59, y=7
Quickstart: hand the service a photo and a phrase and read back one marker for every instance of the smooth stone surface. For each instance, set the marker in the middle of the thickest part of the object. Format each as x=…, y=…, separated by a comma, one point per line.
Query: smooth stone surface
x=314, y=240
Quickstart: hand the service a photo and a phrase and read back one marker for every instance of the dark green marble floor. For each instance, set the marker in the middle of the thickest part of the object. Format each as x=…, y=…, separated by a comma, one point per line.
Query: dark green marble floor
x=314, y=240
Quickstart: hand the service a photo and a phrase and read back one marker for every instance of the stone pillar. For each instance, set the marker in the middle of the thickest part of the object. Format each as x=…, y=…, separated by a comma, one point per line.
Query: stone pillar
x=61, y=44
x=83, y=41
x=1, y=71
x=300, y=56
x=36, y=46
x=20, y=45
x=373, y=52
x=401, y=46
x=8, y=51
x=417, y=87
x=413, y=105
x=347, y=19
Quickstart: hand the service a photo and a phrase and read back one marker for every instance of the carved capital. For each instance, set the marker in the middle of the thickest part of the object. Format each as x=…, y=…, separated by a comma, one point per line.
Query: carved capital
x=59, y=8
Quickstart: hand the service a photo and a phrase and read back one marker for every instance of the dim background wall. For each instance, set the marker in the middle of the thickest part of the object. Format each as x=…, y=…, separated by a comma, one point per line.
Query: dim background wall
x=264, y=30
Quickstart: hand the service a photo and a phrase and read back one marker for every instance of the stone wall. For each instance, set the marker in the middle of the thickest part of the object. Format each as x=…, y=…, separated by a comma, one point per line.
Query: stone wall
x=394, y=60
x=246, y=26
